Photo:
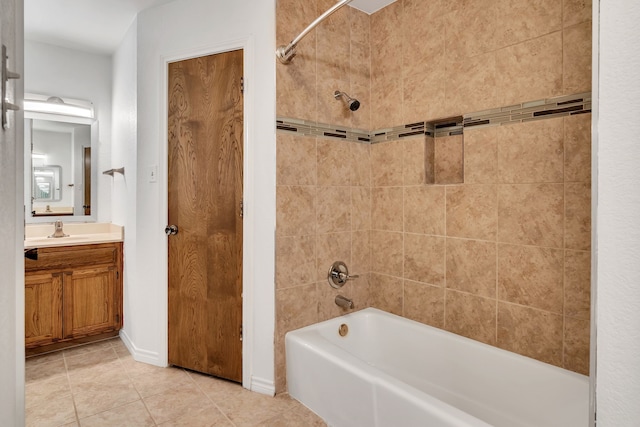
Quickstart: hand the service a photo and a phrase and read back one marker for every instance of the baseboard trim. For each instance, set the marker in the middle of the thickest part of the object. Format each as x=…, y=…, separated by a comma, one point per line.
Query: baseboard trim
x=262, y=386
x=140, y=355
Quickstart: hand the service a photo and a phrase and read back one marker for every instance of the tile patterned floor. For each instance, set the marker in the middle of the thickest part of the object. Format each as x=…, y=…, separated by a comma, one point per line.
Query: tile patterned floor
x=101, y=385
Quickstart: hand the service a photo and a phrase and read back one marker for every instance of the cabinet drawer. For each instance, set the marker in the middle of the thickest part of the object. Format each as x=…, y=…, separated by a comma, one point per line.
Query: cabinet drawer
x=75, y=256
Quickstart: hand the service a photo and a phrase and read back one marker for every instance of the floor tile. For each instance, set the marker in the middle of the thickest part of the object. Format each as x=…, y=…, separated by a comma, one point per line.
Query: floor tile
x=134, y=368
x=161, y=381
x=111, y=371
x=293, y=419
x=53, y=413
x=101, y=384
x=93, y=398
x=209, y=416
x=83, y=349
x=117, y=344
x=251, y=409
x=43, y=371
x=176, y=403
x=44, y=358
x=90, y=360
x=216, y=389
x=41, y=391
x=131, y=415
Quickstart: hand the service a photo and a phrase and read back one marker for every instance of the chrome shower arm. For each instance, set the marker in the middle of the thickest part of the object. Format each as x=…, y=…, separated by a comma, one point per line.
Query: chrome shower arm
x=286, y=53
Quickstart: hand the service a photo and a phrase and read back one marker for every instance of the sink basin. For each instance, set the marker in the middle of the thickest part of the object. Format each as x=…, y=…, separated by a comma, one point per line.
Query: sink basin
x=78, y=234
x=53, y=239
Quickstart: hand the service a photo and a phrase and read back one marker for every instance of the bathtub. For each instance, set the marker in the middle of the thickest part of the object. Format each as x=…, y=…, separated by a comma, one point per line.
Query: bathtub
x=391, y=371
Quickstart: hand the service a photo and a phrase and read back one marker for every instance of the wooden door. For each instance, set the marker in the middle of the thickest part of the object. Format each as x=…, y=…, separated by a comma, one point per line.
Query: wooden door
x=90, y=301
x=43, y=308
x=87, y=180
x=205, y=203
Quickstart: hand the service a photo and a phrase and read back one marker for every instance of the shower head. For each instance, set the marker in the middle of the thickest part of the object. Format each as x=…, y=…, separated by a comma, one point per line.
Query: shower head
x=352, y=103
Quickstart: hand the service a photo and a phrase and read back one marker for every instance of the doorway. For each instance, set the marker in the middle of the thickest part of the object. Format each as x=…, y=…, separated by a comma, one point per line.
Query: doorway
x=205, y=210
x=86, y=162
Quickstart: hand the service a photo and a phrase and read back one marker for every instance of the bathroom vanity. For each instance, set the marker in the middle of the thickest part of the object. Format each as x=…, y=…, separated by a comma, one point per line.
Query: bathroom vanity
x=73, y=290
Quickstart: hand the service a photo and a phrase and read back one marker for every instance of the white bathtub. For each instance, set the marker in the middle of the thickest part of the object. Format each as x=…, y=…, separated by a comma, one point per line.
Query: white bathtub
x=391, y=371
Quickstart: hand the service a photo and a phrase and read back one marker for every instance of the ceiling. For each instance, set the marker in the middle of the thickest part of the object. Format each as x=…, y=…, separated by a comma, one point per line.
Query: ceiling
x=90, y=25
x=370, y=6
x=99, y=26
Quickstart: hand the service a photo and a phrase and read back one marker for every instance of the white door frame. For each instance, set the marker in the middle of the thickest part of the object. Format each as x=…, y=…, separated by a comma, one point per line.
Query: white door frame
x=12, y=362
x=246, y=45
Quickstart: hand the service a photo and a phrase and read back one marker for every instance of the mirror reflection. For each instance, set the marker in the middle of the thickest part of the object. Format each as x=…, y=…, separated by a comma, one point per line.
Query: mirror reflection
x=46, y=184
x=60, y=170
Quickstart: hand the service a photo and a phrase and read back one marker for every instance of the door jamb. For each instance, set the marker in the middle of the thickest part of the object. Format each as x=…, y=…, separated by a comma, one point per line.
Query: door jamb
x=246, y=44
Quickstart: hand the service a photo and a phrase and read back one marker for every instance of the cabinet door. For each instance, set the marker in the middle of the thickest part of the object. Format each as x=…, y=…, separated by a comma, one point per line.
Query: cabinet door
x=43, y=308
x=90, y=301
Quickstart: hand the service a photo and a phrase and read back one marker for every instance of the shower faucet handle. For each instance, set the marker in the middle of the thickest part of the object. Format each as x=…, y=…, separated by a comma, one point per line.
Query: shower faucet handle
x=339, y=275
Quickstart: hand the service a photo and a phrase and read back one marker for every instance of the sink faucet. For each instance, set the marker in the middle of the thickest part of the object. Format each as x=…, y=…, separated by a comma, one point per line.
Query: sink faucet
x=58, y=230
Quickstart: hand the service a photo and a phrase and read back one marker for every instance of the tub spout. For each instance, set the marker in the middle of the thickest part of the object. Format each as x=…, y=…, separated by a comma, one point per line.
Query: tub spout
x=343, y=302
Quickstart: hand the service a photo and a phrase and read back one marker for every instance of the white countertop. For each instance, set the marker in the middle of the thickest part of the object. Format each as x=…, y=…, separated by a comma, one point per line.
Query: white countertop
x=36, y=235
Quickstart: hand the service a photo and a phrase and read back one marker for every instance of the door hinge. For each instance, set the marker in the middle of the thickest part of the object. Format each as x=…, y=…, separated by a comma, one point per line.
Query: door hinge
x=242, y=209
x=117, y=318
x=240, y=332
x=242, y=84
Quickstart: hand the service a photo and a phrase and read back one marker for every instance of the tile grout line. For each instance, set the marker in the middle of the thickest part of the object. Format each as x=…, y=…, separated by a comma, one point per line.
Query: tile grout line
x=134, y=387
x=444, y=290
x=497, y=285
x=404, y=240
x=130, y=379
x=73, y=398
x=564, y=229
x=209, y=398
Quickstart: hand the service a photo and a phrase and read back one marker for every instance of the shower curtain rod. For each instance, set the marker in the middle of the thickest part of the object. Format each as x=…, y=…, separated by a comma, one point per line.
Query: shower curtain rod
x=286, y=53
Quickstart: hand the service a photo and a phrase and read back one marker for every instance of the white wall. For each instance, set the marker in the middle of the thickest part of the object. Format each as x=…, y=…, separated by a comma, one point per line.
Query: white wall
x=178, y=29
x=11, y=232
x=617, y=219
x=124, y=152
x=54, y=70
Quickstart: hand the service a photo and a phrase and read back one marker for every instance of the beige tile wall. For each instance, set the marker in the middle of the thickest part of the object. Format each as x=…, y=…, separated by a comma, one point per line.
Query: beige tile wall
x=504, y=257
x=335, y=56
x=323, y=215
x=323, y=186
x=434, y=59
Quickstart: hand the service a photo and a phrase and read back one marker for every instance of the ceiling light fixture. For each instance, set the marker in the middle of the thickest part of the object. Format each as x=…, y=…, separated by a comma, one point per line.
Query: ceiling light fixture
x=56, y=105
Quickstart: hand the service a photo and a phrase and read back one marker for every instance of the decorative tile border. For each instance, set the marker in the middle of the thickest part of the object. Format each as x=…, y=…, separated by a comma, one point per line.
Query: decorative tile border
x=519, y=113
x=308, y=128
x=534, y=110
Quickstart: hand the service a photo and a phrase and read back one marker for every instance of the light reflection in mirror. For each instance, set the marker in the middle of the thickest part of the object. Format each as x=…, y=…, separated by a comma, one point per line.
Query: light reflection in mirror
x=46, y=184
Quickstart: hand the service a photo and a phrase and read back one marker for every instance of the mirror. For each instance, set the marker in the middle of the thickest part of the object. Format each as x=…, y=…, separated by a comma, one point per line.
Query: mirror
x=46, y=184
x=59, y=169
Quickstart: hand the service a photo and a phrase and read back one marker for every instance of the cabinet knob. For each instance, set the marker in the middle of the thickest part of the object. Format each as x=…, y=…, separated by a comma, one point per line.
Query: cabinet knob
x=171, y=230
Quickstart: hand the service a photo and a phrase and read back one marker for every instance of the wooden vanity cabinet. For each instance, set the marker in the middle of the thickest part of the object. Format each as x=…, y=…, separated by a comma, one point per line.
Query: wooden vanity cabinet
x=43, y=308
x=73, y=294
